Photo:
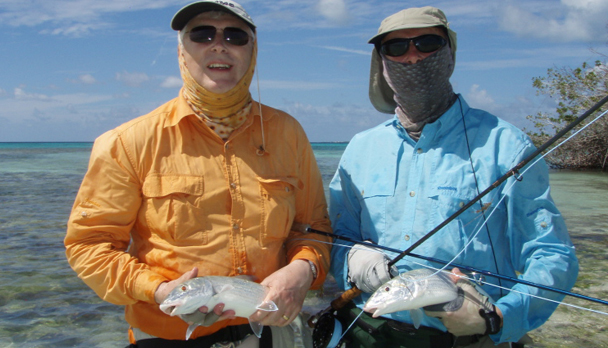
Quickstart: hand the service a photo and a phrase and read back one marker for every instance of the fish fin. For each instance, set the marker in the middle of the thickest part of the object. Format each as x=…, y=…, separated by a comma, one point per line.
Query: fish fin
x=416, y=315
x=190, y=330
x=257, y=328
x=246, y=277
x=267, y=306
x=225, y=287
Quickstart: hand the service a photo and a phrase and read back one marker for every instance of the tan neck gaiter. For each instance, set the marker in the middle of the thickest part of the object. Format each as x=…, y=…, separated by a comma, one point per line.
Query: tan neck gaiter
x=223, y=112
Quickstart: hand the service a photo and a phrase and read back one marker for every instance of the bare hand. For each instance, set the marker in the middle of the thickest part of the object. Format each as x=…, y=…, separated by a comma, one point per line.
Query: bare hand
x=287, y=289
x=205, y=317
x=165, y=288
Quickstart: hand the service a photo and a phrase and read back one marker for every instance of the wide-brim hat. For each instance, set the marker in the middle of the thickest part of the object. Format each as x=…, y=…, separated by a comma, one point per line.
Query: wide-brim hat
x=380, y=93
x=183, y=16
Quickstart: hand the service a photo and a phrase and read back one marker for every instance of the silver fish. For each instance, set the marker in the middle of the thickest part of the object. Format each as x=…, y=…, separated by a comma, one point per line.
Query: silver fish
x=411, y=291
x=242, y=296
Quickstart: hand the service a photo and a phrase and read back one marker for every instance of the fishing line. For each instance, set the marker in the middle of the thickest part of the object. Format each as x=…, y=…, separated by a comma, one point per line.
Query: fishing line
x=475, y=281
x=512, y=172
x=509, y=187
x=481, y=273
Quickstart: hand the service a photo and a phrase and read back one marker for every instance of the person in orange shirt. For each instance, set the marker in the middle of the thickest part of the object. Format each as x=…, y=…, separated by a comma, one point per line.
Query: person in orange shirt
x=210, y=183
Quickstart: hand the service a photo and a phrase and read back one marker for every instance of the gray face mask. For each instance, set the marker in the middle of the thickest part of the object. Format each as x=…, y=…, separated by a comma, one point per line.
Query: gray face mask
x=423, y=91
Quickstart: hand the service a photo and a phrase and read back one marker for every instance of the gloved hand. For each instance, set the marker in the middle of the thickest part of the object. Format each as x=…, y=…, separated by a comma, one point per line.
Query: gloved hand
x=462, y=316
x=368, y=267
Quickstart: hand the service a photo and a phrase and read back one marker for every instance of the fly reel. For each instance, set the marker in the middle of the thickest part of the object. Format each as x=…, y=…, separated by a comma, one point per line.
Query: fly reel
x=327, y=331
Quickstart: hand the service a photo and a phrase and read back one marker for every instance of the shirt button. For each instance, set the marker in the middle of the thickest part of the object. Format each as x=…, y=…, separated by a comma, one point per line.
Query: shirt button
x=419, y=150
x=233, y=186
x=461, y=204
x=239, y=270
x=543, y=224
x=235, y=226
x=412, y=193
x=407, y=237
x=287, y=189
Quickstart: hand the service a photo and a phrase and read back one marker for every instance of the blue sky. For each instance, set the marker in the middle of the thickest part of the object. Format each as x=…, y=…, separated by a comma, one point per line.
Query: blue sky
x=73, y=69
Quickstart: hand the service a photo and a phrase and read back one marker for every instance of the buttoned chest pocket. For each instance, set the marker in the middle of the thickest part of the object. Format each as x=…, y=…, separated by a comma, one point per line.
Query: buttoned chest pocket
x=373, y=201
x=278, y=206
x=173, y=207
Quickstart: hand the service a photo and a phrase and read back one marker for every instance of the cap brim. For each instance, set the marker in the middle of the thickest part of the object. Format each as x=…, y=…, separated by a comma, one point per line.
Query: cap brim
x=183, y=16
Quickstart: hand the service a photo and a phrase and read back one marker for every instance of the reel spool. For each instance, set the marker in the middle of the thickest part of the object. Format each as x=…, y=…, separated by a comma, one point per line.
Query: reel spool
x=327, y=332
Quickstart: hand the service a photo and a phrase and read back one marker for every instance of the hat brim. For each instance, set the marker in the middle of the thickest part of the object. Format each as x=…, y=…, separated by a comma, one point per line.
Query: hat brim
x=183, y=16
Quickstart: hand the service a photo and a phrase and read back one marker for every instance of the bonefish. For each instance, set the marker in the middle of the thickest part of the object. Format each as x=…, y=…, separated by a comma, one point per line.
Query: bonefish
x=242, y=296
x=411, y=291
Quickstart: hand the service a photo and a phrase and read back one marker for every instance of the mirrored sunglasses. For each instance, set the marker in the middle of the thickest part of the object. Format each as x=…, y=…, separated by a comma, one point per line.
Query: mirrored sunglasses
x=206, y=34
x=424, y=43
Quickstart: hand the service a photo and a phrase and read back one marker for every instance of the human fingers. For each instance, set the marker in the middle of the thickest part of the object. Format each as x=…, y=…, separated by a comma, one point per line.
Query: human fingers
x=165, y=288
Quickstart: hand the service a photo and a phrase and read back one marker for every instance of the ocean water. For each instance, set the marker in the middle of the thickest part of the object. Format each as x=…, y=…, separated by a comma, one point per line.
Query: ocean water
x=44, y=304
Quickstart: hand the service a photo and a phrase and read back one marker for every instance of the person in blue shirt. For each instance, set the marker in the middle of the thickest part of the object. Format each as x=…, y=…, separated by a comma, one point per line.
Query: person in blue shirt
x=401, y=179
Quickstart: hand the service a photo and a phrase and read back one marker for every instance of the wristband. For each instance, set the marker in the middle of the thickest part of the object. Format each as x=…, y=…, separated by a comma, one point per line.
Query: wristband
x=493, y=320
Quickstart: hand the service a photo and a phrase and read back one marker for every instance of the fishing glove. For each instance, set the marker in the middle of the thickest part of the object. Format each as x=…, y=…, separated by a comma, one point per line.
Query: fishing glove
x=466, y=315
x=368, y=267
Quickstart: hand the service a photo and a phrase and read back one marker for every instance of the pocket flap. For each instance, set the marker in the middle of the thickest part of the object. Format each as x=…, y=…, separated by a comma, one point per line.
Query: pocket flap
x=292, y=181
x=160, y=185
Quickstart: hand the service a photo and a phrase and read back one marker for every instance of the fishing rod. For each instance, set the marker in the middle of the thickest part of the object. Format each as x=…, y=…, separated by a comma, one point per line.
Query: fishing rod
x=352, y=293
x=307, y=229
x=513, y=172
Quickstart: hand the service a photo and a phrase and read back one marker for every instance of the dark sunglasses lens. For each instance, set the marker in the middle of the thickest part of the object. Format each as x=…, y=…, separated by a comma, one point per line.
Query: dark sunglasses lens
x=394, y=48
x=429, y=43
x=236, y=36
x=202, y=34
x=424, y=44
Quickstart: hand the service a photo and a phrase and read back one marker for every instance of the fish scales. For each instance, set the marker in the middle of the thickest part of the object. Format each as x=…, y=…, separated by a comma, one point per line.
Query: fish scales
x=411, y=291
x=242, y=296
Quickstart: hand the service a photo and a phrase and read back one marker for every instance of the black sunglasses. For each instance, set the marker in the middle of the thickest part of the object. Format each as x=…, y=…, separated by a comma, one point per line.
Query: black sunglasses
x=424, y=43
x=206, y=34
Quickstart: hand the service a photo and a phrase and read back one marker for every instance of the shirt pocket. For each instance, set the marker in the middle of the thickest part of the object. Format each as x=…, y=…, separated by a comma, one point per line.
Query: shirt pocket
x=173, y=207
x=374, y=204
x=278, y=206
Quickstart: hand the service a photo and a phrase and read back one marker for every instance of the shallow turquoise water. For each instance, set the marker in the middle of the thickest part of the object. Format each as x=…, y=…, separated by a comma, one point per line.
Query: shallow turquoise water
x=44, y=304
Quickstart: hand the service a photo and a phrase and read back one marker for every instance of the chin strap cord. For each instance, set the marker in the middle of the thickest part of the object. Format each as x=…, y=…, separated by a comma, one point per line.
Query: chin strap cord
x=262, y=149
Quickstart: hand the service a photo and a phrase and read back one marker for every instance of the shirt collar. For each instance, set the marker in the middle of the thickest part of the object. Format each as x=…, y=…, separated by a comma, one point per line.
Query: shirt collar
x=179, y=112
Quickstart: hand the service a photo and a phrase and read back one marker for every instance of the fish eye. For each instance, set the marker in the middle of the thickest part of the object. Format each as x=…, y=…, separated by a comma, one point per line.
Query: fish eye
x=184, y=288
x=387, y=289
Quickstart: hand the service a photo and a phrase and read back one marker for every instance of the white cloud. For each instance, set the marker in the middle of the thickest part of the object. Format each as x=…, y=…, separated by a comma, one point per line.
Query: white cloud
x=132, y=79
x=86, y=79
x=571, y=21
x=23, y=106
x=337, y=122
x=348, y=50
x=71, y=17
x=172, y=82
x=20, y=94
x=480, y=98
x=333, y=10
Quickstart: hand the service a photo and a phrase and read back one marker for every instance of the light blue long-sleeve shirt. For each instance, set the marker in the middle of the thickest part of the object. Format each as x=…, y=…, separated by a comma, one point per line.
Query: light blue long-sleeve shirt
x=393, y=190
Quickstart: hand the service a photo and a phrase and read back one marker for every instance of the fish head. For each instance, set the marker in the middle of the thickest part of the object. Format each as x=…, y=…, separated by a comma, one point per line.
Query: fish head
x=188, y=297
x=390, y=297
x=411, y=290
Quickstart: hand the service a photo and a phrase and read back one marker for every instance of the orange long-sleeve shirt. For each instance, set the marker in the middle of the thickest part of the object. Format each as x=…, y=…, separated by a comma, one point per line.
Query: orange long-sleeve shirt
x=163, y=193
